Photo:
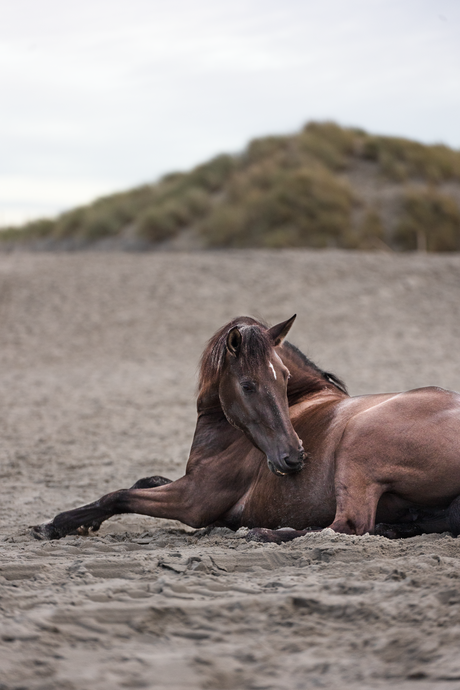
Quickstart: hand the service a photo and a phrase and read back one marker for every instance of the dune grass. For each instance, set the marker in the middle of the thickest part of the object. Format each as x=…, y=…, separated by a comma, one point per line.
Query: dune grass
x=283, y=191
x=430, y=221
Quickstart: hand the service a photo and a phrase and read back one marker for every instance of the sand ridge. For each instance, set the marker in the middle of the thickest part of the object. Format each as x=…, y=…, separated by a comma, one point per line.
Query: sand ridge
x=98, y=358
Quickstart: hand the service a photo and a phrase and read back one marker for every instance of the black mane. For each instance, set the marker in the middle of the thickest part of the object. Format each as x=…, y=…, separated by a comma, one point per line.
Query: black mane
x=326, y=375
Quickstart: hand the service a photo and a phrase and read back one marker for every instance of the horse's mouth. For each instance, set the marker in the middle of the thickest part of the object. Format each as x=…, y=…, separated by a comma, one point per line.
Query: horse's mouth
x=279, y=473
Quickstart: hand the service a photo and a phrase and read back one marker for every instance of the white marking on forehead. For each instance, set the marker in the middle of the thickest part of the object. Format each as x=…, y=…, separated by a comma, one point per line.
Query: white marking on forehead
x=273, y=369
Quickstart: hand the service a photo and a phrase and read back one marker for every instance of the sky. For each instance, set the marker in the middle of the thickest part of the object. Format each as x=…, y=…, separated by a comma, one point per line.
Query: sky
x=98, y=96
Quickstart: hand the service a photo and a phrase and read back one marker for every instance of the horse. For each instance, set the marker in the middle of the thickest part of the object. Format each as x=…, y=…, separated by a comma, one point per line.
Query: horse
x=281, y=448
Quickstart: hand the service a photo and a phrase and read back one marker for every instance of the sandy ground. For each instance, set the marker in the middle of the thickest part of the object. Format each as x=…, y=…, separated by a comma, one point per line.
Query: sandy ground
x=98, y=357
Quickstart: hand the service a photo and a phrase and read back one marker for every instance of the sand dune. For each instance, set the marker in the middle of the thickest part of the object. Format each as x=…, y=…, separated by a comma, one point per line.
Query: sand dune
x=98, y=356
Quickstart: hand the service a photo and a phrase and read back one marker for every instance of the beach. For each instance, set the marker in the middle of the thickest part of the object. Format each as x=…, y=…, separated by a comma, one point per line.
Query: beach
x=99, y=354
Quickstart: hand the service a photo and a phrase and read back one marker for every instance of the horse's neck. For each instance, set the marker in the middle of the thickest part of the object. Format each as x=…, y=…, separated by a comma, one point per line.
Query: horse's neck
x=213, y=432
x=217, y=444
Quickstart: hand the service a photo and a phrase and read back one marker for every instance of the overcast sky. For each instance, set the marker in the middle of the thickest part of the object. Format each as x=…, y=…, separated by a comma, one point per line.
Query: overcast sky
x=101, y=95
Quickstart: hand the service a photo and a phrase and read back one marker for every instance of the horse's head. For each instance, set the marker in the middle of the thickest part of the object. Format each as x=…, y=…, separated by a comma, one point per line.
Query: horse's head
x=253, y=394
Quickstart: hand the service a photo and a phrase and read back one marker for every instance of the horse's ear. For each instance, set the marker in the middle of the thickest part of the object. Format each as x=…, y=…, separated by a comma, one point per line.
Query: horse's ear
x=279, y=332
x=234, y=341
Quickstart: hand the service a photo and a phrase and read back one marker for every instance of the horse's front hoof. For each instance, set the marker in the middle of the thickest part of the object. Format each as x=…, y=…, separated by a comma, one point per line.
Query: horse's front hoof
x=45, y=531
x=387, y=531
x=262, y=534
x=396, y=531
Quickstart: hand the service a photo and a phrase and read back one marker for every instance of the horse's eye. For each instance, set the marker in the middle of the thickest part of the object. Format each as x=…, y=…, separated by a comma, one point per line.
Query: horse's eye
x=248, y=386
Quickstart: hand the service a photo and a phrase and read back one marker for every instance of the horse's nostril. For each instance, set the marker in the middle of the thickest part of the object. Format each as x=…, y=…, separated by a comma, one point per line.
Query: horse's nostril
x=285, y=466
x=290, y=462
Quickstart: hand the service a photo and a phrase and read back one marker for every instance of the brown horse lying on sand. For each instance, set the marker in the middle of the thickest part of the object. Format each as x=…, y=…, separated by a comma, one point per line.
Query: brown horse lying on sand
x=279, y=443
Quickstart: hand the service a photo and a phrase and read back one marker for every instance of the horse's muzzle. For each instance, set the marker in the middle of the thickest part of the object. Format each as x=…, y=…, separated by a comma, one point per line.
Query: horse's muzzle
x=287, y=465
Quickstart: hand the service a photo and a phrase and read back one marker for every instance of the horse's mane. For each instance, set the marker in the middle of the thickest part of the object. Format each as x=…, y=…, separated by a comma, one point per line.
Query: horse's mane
x=326, y=375
x=256, y=347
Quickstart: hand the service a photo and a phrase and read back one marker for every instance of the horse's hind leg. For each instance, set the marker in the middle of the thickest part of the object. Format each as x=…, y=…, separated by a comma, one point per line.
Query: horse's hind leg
x=144, y=483
x=80, y=520
x=150, y=482
x=173, y=500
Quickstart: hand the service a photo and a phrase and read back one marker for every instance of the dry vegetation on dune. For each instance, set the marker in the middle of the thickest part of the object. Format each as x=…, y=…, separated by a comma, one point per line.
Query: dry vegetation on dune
x=326, y=186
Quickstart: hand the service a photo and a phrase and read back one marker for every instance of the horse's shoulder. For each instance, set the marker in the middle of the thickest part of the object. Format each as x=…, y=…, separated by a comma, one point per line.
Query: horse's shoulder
x=361, y=413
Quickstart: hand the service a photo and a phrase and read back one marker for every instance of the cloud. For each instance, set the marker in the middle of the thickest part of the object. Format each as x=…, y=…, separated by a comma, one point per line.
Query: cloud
x=125, y=90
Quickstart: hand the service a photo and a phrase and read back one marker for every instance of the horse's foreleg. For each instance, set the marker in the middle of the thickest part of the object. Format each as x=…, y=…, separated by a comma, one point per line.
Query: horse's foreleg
x=357, y=501
x=454, y=517
x=173, y=500
x=402, y=530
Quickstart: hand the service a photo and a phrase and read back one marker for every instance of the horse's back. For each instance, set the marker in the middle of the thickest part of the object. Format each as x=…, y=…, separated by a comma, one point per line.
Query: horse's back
x=431, y=402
